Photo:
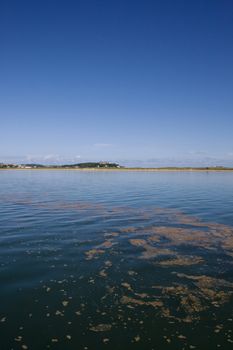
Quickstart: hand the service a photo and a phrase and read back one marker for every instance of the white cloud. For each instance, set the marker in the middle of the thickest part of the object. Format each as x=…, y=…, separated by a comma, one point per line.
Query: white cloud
x=49, y=158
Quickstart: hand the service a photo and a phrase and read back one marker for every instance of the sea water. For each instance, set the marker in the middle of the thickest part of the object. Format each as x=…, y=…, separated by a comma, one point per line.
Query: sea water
x=116, y=260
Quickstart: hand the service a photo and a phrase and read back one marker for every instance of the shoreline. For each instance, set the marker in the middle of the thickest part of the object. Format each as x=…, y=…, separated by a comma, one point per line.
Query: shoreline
x=127, y=169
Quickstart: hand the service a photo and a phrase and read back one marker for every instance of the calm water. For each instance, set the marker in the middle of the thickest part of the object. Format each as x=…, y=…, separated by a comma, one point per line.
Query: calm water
x=114, y=260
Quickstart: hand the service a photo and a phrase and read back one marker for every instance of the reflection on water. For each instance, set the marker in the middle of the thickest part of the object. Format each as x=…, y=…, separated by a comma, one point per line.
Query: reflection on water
x=79, y=271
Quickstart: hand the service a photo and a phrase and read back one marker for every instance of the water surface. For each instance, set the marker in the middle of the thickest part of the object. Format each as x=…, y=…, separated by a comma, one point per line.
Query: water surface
x=116, y=260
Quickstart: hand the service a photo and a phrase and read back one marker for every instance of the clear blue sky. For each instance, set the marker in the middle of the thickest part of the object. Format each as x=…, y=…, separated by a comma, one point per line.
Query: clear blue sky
x=141, y=82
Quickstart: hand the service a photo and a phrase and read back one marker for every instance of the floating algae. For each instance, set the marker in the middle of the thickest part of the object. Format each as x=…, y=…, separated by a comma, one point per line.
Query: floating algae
x=149, y=250
x=165, y=246
x=181, y=261
x=129, y=300
x=101, y=328
x=93, y=253
x=103, y=273
x=168, y=270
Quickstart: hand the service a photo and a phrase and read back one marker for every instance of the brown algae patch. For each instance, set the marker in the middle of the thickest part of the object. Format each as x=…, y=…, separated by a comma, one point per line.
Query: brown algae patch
x=198, y=293
x=160, y=240
x=106, y=244
x=176, y=236
x=99, y=249
x=193, y=299
x=138, y=242
x=217, y=291
x=181, y=261
x=129, y=229
x=103, y=273
x=108, y=263
x=164, y=240
x=103, y=327
x=186, y=297
x=129, y=300
x=149, y=250
x=127, y=286
x=93, y=253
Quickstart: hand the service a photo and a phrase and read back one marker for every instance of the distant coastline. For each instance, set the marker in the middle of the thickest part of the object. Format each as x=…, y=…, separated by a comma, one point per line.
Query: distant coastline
x=212, y=170
x=125, y=169
x=107, y=166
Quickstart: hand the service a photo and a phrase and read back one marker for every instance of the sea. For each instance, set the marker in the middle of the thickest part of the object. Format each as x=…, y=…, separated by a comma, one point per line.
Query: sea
x=116, y=260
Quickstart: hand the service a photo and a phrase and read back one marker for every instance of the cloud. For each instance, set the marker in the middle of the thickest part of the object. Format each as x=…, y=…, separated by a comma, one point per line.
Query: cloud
x=50, y=158
x=43, y=157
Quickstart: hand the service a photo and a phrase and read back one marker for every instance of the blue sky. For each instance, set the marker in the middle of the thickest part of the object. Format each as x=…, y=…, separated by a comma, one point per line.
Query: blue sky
x=139, y=82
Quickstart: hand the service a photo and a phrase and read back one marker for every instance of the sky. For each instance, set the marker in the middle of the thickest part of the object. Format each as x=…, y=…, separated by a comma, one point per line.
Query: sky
x=146, y=82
